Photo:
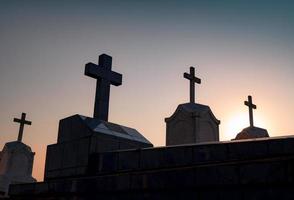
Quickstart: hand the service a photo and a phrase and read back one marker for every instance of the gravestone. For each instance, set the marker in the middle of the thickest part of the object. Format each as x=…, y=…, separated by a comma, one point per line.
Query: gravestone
x=80, y=136
x=192, y=122
x=251, y=131
x=16, y=161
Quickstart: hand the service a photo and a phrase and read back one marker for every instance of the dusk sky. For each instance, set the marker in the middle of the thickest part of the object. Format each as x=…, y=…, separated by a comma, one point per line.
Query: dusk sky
x=238, y=48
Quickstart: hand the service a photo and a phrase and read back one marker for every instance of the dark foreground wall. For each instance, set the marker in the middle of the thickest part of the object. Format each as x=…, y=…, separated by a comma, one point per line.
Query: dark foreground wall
x=253, y=169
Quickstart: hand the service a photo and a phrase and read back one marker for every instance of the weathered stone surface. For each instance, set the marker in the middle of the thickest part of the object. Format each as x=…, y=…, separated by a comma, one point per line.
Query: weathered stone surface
x=77, y=126
x=128, y=160
x=252, y=132
x=191, y=123
x=117, y=175
x=79, y=137
x=16, y=165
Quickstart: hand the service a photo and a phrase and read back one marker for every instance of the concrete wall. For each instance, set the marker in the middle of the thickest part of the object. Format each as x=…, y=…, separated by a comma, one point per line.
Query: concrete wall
x=253, y=169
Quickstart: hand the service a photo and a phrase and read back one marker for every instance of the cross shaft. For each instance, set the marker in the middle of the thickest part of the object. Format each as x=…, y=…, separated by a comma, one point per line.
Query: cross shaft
x=22, y=121
x=251, y=106
x=193, y=79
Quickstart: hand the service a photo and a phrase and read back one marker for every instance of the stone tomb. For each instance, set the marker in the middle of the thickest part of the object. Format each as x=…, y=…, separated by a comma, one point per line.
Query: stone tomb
x=192, y=122
x=16, y=160
x=79, y=136
x=251, y=131
x=16, y=165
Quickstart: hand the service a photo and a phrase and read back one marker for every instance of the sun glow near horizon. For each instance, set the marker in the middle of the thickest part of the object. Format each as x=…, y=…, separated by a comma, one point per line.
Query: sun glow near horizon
x=237, y=121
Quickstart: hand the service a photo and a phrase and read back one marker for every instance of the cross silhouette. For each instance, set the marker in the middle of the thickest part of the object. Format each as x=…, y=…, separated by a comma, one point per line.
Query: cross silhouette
x=193, y=79
x=22, y=122
x=251, y=106
x=105, y=77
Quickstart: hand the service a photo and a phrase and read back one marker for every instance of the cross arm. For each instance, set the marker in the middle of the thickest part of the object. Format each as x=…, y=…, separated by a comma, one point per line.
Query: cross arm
x=116, y=78
x=98, y=72
x=250, y=104
x=21, y=121
x=16, y=120
x=93, y=71
x=192, y=78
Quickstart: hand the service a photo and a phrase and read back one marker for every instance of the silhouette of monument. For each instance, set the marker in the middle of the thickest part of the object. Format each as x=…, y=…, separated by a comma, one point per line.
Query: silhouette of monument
x=87, y=163
x=251, y=131
x=192, y=122
x=105, y=77
x=17, y=158
x=22, y=121
x=80, y=136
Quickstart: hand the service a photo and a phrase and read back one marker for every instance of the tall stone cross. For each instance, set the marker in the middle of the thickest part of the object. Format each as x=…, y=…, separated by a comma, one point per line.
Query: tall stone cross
x=22, y=122
x=105, y=77
x=193, y=79
x=251, y=106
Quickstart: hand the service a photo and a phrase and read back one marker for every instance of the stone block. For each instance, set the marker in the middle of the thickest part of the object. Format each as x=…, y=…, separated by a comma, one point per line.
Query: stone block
x=177, y=156
x=69, y=157
x=123, y=182
x=289, y=146
x=105, y=183
x=54, y=157
x=108, y=162
x=209, y=153
x=180, y=178
x=128, y=160
x=83, y=151
x=156, y=180
x=106, y=144
x=151, y=158
x=138, y=181
x=81, y=170
x=229, y=193
x=254, y=173
x=275, y=147
x=128, y=145
x=227, y=175
x=80, y=136
x=205, y=175
x=60, y=186
x=41, y=188
x=67, y=172
x=16, y=164
x=191, y=123
x=290, y=171
x=72, y=128
x=247, y=149
x=277, y=172
x=52, y=174
x=21, y=188
x=207, y=193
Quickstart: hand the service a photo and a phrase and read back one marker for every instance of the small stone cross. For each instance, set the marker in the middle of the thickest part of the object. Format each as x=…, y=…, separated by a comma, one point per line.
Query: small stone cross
x=193, y=79
x=105, y=77
x=22, y=122
x=251, y=106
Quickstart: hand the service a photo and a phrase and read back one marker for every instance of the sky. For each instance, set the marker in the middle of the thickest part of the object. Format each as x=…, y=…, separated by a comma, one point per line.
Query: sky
x=238, y=48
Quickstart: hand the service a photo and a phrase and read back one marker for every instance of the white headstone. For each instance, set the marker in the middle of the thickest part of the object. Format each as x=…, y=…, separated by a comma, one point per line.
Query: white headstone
x=16, y=165
x=191, y=123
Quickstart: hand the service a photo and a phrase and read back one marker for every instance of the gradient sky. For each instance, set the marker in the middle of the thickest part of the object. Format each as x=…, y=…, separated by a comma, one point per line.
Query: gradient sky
x=238, y=48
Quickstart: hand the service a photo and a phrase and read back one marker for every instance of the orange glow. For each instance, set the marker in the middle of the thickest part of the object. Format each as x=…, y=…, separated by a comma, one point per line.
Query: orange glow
x=239, y=121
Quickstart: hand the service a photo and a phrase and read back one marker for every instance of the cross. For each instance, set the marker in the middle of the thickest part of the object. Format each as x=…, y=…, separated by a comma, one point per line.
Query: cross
x=105, y=77
x=22, y=122
x=251, y=107
x=193, y=79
